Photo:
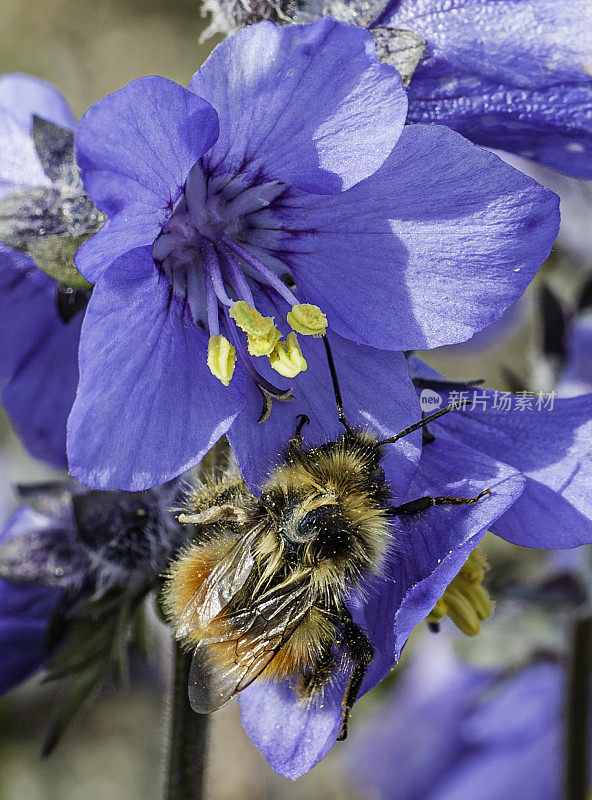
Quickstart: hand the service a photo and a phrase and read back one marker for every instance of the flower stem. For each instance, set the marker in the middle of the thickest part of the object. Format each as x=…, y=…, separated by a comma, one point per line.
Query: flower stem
x=577, y=738
x=188, y=735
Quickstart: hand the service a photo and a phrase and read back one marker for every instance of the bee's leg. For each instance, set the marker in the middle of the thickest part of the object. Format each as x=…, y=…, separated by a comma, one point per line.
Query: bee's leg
x=423, y=503
x=320, y=675
x=302, y=420
x=362, y=653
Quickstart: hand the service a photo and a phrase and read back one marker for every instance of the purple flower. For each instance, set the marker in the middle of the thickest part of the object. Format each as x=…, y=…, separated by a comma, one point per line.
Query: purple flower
x=25, y=614
x=66, y=547
x=545, y=438
x=454, y=732
x=282, y=179
x=514, y=75
x=39, y=322
x=536, y=463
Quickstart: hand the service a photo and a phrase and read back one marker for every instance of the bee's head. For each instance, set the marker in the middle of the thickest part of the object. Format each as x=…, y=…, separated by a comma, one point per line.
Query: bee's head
x=311, y=518
x=321, y=500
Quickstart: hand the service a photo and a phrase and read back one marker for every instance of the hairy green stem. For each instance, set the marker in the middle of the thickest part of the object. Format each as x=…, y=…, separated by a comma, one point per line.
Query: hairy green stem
x=188, y=734
x=577, y=737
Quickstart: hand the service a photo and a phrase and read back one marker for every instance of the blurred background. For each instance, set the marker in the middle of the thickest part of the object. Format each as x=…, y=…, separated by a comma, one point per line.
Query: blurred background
x=115, y=747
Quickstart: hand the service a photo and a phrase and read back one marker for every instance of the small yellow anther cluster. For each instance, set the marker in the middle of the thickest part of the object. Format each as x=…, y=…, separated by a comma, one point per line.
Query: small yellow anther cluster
x=308, y=320
x=287, y=358
x=466, y=600
x=250, y=320
x=221, y=358
x=264, y=339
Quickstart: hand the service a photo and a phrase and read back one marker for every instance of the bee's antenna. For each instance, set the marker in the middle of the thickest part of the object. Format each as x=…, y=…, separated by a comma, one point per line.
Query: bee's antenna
x=336, y=389
x=424, y=421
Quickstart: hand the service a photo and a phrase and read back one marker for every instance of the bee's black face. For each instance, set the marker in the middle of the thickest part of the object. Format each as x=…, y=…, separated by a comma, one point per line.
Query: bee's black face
x=315, y=535
x=320, y=524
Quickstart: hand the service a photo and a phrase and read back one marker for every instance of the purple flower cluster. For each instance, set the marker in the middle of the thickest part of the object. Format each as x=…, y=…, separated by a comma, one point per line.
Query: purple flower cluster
x=279, y=198
x=39, y=329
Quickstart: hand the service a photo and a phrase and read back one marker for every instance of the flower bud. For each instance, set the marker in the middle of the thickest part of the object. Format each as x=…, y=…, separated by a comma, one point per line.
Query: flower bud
x=308, y=320
x=221, y=358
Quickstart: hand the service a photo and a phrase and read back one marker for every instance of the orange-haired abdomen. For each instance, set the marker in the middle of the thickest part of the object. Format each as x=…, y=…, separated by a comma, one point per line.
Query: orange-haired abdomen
x=185, y=577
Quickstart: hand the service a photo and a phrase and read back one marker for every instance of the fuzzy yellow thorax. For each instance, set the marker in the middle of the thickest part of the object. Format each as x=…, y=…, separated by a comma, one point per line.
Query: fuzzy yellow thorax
x=466, y=600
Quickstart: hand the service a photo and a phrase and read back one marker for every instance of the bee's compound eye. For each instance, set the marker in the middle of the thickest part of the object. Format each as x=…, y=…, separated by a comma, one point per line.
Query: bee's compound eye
x=318, y=522
x=377, y=475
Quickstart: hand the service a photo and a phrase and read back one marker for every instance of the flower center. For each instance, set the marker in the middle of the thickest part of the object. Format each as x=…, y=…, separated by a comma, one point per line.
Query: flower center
x=208, y=251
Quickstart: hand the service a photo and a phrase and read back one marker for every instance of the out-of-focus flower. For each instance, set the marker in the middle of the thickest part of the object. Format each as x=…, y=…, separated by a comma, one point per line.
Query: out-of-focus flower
x=283, y=173
x=44, y=215
x=576, y=375
x=451, y=731
x=68, y=550
x=25, y=613
x=510, y=74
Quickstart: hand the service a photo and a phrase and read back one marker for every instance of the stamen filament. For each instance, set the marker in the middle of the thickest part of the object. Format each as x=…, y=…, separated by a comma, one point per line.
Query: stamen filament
x=212, y=307
x=237, y=277
x=212, y=270
x=268, y=276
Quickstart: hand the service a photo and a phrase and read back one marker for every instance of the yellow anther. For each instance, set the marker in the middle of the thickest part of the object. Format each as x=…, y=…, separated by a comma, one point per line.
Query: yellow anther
x=465, y=600
x=480, y=600
x=221, y=358
x=263, y=345
x=461, y=612
x=287, y=358
x=438, y=612
x=307, y=319
x=250, y=320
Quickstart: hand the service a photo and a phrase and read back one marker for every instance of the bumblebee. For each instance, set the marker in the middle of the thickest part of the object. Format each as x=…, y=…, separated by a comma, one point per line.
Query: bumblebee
x=261, y=592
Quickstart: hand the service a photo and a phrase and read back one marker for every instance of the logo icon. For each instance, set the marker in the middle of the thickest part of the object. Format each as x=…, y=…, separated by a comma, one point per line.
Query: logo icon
x=430, y=401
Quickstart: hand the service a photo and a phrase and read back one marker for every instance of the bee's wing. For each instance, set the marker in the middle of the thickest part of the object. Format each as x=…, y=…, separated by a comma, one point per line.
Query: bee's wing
x=223, y=582
x=242, y=644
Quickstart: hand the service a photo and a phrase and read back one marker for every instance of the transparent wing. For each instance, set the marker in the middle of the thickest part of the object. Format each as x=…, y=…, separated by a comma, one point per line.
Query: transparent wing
x=242, y=644
x=223, y=582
